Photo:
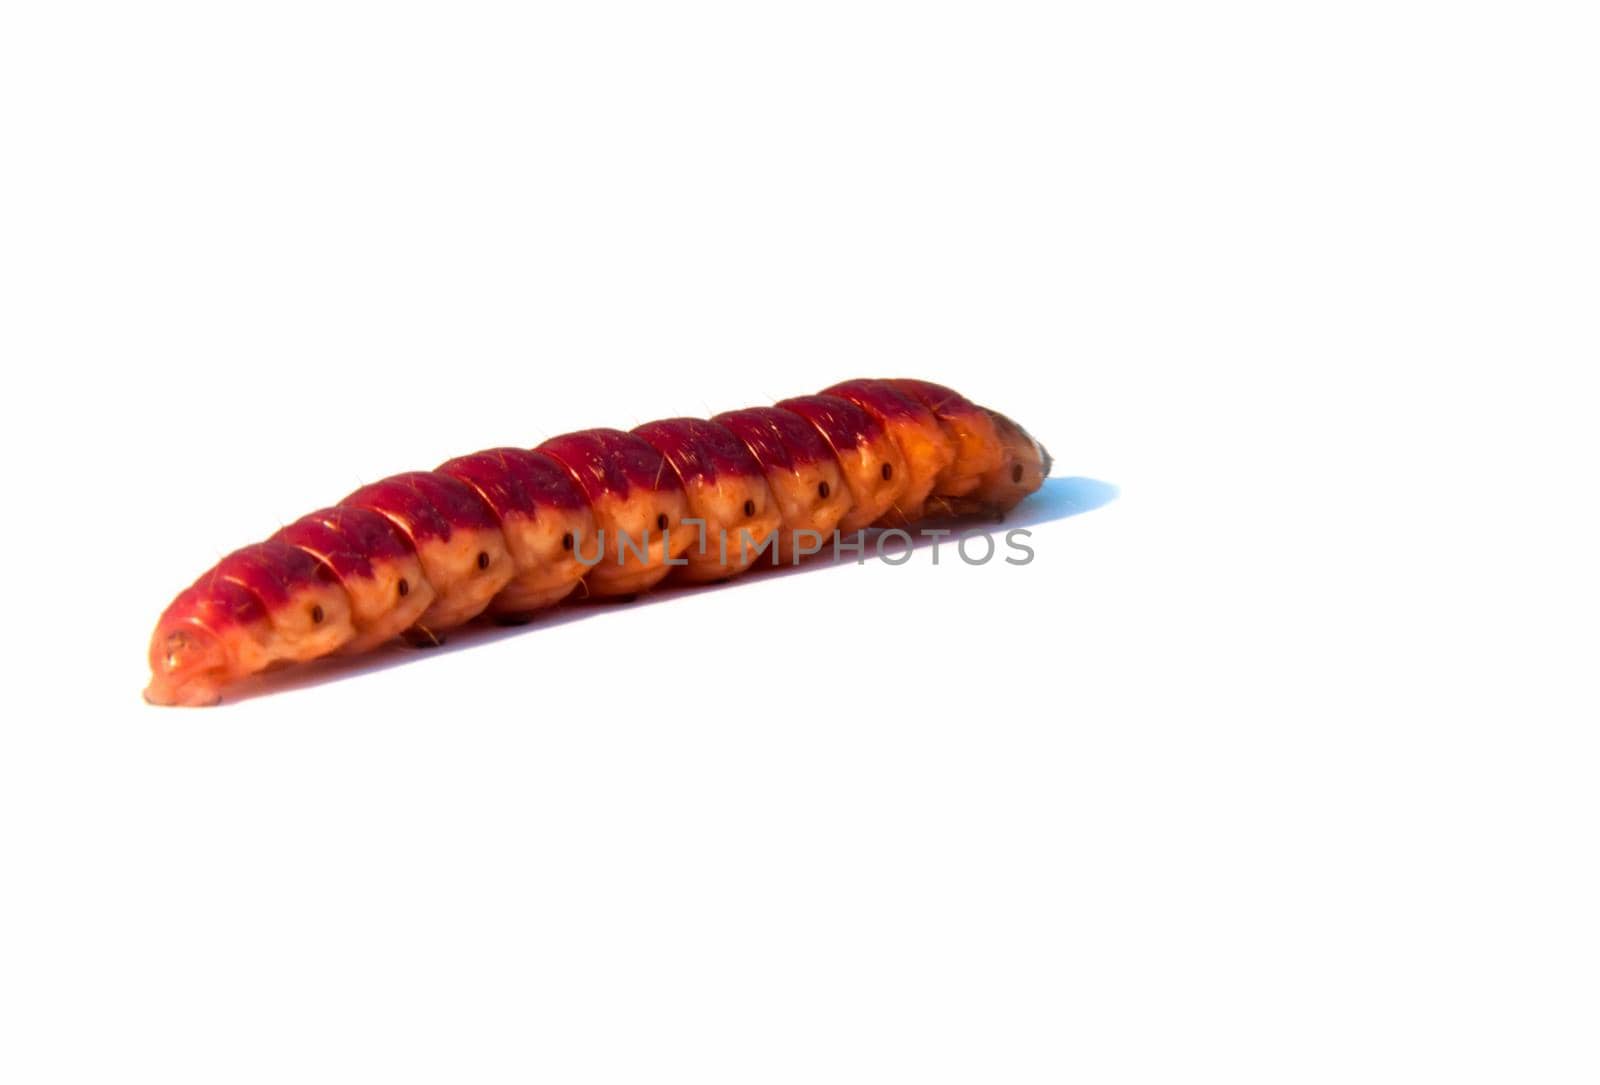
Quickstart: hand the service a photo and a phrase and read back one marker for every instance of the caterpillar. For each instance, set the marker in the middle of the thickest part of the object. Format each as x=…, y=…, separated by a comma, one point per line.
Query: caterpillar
x=599, y=513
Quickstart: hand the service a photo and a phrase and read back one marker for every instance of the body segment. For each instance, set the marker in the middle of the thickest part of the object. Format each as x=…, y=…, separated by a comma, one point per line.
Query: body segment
x=974, y=443
x=924, y=445
x=870, y=461
x=543, y=516
x=727, y=494
x=639, y=507
x=374, y=563
x=456, y=537
x=801, y=471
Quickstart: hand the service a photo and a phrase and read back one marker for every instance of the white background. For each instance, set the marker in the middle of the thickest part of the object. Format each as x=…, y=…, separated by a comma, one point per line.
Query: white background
x=1279, y=767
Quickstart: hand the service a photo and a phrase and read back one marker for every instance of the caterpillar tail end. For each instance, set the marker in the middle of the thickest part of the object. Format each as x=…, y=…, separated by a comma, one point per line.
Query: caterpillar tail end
x=188, y=667
x=190, y=696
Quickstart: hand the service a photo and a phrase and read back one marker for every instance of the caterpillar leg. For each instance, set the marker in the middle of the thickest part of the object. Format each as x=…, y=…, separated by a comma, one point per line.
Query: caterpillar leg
x=420, y=636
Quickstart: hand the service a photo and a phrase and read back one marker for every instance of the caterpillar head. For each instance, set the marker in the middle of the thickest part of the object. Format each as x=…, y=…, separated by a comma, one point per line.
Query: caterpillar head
x=188, y=665
x=1024, y=465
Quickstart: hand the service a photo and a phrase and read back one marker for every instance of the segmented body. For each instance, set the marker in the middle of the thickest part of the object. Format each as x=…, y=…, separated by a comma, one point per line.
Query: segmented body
x=600, y=513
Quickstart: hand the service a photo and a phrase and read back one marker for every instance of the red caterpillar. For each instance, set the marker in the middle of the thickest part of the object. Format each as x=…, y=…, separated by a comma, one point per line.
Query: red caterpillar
x=509, y=531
